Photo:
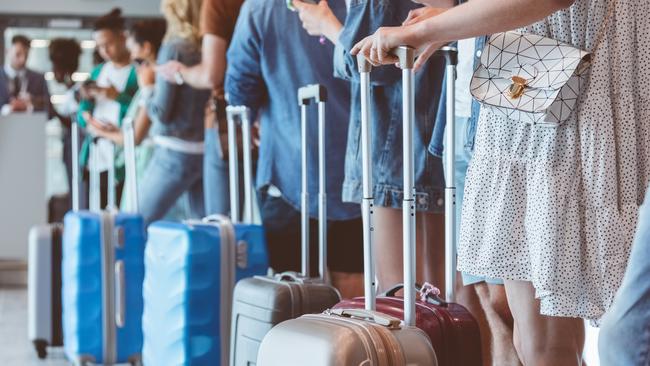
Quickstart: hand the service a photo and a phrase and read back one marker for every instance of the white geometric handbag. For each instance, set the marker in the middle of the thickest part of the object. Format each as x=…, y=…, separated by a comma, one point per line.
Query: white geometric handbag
x=530, y=78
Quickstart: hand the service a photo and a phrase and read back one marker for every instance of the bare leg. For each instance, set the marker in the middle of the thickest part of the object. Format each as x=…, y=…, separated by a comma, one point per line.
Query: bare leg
x=349, y=284
x=495, y=307
x=388, y=248
x=548, y=341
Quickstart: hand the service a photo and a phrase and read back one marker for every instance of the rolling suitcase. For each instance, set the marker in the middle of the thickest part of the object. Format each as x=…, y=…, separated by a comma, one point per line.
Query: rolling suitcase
x=346, y=337
x=44, y=273
x=259, y=303
x=453, y=331
x=190, y=271
x=102, y=278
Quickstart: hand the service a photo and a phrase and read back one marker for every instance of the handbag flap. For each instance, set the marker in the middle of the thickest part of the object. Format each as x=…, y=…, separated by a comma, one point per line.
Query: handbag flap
x=546, y=64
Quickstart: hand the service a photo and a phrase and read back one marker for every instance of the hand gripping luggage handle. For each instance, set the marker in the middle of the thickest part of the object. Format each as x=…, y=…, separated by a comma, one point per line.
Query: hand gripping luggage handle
x=451, y=57
x=243, y=113
x=318, y=93
x=130, y=163
x=367, y=203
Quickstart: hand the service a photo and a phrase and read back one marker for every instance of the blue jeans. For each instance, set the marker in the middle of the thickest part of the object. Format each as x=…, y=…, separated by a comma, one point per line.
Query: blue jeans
x=463, y=155
x=215, y=175
x=625, y=333
x=169, y=174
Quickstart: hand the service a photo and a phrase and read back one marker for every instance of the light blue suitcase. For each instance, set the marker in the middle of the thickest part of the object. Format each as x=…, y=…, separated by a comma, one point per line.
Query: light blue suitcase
x=190, y=271
x=102, y=274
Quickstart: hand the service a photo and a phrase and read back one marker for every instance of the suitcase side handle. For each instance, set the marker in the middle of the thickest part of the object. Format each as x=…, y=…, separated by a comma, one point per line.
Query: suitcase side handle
x=426, y=294
x=120, y=294
x=318, y=93
x=376, y=317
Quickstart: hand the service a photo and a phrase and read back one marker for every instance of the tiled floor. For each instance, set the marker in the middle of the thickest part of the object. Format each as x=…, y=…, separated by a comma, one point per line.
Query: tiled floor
x=15, y=348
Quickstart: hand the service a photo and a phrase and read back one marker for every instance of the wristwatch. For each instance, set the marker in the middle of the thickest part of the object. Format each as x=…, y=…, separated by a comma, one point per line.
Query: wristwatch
x=179, y=78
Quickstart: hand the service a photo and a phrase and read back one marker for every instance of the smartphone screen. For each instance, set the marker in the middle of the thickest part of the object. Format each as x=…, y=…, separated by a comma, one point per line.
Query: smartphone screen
x=290, y=3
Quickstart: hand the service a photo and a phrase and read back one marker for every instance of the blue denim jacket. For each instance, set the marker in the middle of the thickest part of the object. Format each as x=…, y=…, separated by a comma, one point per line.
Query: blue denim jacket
x=269, y=58
x=436, y=145
x=364, y=18
x=178, y=110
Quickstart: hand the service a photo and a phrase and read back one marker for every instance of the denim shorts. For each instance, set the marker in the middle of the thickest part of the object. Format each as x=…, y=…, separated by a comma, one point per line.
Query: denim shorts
x=387, y=166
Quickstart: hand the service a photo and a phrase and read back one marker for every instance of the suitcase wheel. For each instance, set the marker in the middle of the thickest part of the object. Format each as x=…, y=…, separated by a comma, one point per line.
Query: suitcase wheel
x=84, y=361
x=135, y=360
x=41, y=348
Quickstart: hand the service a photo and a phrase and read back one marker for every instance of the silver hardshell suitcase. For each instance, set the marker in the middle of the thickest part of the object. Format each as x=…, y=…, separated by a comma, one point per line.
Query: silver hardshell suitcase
x=44, y=272
x=360, y=337
x=259, y=303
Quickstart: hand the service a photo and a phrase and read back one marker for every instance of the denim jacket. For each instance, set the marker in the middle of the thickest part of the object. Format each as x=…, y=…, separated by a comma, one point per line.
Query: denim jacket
x=269, y=58
x=436, y=144
x=178, y=110
x=364, y=18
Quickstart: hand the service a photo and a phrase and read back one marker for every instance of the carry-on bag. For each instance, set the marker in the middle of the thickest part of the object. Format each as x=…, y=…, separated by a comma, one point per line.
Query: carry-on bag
x=453, y=331
x=44, y=322
x=353, y=336
x=103, y=270
x=191, y=268
x=259, y=303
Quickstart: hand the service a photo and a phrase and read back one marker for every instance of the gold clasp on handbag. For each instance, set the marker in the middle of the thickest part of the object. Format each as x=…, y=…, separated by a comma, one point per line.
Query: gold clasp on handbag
x=517, y=87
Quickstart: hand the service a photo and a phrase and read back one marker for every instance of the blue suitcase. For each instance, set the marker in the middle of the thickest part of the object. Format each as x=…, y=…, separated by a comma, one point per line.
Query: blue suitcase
x=190, y=271
x=102, y=275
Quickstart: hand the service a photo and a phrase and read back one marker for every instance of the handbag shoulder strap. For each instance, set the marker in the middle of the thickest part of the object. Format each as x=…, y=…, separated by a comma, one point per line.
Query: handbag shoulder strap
x=603, y=28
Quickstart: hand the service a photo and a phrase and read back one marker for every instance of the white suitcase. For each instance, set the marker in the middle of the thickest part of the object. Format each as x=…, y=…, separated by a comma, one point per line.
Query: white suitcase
x=44, y=308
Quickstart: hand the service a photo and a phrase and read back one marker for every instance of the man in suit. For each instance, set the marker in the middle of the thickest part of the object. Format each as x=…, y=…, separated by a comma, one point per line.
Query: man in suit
x=21, y=89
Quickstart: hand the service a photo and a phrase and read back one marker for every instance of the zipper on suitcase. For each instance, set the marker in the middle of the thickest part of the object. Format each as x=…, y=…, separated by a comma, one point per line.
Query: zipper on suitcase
x=108, y=289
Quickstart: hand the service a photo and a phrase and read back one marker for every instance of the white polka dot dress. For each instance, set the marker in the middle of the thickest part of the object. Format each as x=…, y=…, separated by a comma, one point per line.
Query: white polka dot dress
x=558, y=206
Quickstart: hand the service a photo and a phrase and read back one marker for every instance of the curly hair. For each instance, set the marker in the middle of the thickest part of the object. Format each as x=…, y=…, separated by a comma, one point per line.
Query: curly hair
x=183, y=19
x=112, y=21
x=64, y=54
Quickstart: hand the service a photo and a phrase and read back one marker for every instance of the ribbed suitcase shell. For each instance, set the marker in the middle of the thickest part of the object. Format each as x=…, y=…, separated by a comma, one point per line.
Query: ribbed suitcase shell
x=82, y=285
x=182, y=319
x=452, y=330
x=259, y=303
x=330, y=340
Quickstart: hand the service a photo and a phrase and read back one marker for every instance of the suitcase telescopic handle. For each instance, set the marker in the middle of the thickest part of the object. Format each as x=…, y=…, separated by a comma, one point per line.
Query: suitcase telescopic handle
x=317, y=93
x=406, y=56
x=74, y=130
x=367, y=202
x=451, y=57
x=128, y=130
x=243, y=114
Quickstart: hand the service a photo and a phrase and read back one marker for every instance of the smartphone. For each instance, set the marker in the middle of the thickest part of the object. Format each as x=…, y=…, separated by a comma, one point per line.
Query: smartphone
x=90, y=83
x=291, y=7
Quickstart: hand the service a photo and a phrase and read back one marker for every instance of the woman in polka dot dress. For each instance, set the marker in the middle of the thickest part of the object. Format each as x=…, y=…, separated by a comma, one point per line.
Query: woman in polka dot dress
x=552, y=210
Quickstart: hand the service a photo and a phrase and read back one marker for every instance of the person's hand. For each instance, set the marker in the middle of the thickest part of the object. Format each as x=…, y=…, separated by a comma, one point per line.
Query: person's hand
x=169, y=70
x=318, y=19
x=420, y=14
x=256, y=133
x=18, y=105
x=146, y=75
x=99, y=126
x=376, y=48
x=110, y=92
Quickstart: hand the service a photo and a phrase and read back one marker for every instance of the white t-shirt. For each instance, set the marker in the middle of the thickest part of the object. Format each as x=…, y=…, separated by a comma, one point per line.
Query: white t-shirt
x=465, y=70
x=108, y=110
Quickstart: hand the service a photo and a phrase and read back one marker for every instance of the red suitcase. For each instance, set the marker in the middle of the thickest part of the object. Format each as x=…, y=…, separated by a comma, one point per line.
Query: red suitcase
x=453, y=331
